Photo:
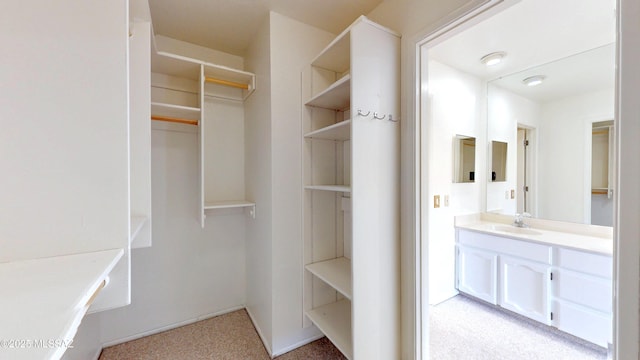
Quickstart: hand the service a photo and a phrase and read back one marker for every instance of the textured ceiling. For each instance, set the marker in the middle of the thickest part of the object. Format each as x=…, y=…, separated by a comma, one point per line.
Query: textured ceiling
x=230, y=25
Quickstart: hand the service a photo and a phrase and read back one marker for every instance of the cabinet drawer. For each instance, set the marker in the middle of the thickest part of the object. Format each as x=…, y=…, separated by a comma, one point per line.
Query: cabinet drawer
x=594, y=264
x=587, y=324
x=582, y=289
x=531, y=251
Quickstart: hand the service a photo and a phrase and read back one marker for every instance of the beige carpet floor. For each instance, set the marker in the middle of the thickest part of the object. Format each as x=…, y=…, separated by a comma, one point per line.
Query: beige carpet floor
x=226, y=337
x=462, y=328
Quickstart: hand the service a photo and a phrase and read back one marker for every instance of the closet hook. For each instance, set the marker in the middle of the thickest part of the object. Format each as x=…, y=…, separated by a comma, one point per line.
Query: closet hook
x=361, y=113
x=375, y=116
x=391, y=118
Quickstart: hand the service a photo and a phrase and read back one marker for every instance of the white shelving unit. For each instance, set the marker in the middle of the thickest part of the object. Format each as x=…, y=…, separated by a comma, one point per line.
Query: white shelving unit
x=188, y=91
x=67, y=284
x=351, y=185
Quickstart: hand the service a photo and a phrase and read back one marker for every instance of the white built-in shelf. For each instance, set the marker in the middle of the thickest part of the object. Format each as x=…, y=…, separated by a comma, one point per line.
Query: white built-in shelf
x=228, y=204
x=334, y=320
x=175, y=65
x=336, y=56
x=233, y=75
x=175, y=111
x=335, y=272
x=65, y=284
x=339, y=131
x=335, y=97
x=336, y=188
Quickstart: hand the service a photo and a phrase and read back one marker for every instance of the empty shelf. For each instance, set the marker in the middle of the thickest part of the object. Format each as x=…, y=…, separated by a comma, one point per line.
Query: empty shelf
x=66, y=285
x=338, y=131
x=228, y=204
x=335, y=272
x=334, y=320
x=335, y=97
x=337, y=188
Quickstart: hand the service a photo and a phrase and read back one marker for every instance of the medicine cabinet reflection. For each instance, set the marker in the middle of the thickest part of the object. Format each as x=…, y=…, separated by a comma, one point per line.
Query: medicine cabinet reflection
x=464, y=159
x=498, y=161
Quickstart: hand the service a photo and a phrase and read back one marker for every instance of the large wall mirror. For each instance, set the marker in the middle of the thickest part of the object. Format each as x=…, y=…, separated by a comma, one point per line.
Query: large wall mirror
x=464, y=159
x=499, y=160
x=547, y=114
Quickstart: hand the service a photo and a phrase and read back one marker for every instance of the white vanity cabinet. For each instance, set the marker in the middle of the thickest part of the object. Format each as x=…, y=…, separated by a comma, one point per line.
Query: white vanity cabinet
x=582, y=295
x=570, y=289
x=478, y=273
x=524, y=287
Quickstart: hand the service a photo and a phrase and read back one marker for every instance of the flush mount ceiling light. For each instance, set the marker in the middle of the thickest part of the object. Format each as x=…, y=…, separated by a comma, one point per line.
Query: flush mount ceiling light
x=534, y=80
x=494, y=58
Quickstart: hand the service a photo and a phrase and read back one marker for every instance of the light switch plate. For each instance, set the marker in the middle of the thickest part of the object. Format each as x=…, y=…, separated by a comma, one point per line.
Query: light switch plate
x=513, y=194
x=436, y=201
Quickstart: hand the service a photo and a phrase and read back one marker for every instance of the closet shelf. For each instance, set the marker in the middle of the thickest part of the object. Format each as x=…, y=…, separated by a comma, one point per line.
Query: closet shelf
x=67, y=284
x=336, y=56
x=175, y=65
x=335, y=97
x=339, y=131
x=334, y=320
x=335, y=272
x=336, y=188
x=228, y=204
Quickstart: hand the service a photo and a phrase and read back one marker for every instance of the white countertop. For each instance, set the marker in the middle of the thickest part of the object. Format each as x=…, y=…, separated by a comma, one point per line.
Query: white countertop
x=44, y=300
x=575, y=236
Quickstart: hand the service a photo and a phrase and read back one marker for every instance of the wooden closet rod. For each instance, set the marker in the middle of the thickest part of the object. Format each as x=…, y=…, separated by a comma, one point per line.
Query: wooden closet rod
x=227, y=83
x=174, y=120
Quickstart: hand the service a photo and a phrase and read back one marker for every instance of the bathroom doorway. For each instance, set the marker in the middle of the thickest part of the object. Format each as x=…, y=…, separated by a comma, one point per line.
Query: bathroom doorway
x=453, y=84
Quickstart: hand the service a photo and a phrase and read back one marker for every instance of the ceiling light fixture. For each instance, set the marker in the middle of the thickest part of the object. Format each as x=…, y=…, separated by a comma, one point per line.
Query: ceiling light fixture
x=534, y=80
x=494, y=58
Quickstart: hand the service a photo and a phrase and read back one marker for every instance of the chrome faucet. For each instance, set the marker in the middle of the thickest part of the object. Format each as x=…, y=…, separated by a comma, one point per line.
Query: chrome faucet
x=519, y=220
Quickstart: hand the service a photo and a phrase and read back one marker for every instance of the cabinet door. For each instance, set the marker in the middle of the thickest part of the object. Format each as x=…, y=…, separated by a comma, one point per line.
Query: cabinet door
x=524, y=288
x=478, y=273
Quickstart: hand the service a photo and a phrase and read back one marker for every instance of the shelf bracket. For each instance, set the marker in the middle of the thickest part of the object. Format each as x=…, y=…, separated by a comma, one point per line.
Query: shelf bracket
x=251, y=211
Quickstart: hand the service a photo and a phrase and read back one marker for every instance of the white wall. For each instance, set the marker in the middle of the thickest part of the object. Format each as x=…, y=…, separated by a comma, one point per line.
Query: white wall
x=455, y=107
x=506, y=111
x=258, y=186
x=292, y=46
x=565, y=153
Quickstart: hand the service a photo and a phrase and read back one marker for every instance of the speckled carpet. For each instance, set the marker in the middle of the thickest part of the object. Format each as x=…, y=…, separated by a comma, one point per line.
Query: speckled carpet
x=462, y=328
x=225, y=337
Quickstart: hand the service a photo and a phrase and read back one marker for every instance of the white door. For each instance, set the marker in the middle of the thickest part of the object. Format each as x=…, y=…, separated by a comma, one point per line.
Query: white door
x=478, y=273
x=524, y=288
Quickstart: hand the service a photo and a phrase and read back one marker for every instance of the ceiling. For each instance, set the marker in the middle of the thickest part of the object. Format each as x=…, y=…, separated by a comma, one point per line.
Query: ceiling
x=230, y=25
x=534, y=33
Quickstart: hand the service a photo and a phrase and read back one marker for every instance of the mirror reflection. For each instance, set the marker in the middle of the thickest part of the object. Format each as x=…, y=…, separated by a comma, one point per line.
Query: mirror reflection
x=464, y=159
x=498, y=161
x=546, y=115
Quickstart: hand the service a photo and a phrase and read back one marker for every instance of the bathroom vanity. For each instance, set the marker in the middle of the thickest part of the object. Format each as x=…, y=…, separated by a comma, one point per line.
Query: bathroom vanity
x=555, y=273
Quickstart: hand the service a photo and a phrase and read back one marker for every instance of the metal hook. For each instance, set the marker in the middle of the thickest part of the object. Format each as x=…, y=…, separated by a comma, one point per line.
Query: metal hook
x=375, y=116
x=361, y=113
x=391, y=118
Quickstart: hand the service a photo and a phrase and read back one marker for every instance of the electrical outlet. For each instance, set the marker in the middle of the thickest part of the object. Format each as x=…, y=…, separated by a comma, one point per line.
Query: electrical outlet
x=513, y=194
x=436, y=201
x=446, y=200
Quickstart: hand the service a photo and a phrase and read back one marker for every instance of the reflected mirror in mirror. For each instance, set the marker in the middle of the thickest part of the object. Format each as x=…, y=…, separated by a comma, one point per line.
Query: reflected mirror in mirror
x=464, y=159
x=498, y=161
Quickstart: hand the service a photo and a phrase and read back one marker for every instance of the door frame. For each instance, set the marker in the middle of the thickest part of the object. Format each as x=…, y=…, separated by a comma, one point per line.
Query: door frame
x=626, y=239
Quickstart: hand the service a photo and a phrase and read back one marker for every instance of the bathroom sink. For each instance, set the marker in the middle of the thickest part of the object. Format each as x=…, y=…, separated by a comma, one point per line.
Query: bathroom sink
x=514, y=230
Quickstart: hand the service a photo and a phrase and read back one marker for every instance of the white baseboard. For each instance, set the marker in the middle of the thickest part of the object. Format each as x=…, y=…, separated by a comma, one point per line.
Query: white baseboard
x=259, y=331
x=297, y=345
x=97, y=355
x=170, y=327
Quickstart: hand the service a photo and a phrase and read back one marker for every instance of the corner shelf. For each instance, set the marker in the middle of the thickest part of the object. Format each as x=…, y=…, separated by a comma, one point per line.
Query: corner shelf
x=336, y=188
x=339, y=131
x=335, y=272
x=334, y=320
x=335, y=97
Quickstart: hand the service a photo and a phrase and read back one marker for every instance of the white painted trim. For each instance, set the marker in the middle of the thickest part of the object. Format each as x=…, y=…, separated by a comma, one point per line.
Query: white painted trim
x=626, y=254
x=414, y=310
x=297, y=345
x=266, y=344
x=96, y=356
x=171, y=326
